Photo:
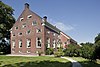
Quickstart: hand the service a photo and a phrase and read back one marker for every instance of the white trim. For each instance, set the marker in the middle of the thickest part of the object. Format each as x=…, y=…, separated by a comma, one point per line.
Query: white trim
x=21, y=19
x=29, y=16
x=65, y=35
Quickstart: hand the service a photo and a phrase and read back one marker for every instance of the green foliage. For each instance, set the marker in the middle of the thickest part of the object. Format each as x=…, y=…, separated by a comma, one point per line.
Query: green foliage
x=59, y=53
x=49, y=51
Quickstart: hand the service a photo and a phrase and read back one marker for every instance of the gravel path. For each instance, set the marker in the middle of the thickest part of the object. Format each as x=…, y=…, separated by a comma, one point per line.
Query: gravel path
x=75, y=63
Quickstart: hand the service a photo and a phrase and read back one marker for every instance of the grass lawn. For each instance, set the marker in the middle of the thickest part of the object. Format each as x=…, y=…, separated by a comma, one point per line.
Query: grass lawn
x=42, y=61
x=87, y=63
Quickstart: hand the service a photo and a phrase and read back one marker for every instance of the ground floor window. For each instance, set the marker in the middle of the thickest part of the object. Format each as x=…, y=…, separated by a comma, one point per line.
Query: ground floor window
x=38, y=42
x=13, y=44
x=28, y=43
x=20, y=43
x=54, y=43
x=48, y=42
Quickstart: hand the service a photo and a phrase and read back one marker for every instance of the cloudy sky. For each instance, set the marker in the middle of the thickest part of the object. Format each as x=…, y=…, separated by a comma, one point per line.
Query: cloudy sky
x=79, y=19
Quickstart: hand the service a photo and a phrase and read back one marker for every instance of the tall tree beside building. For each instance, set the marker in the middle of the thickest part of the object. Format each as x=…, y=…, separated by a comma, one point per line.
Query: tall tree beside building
x=6, y=22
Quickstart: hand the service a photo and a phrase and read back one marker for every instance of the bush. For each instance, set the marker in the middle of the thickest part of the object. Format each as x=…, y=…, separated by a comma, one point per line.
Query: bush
x=1, y=53
x=49, y=51
x=59, y=53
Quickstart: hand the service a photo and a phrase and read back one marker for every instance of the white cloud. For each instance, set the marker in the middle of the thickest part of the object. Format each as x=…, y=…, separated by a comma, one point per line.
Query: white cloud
x=63, y=27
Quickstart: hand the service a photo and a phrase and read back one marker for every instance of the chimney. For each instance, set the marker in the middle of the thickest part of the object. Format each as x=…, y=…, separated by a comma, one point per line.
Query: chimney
x=45, y=18
x=26, y=6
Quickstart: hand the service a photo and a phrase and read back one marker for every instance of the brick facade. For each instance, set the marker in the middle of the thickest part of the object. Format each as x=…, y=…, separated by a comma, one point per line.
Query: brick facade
x=31, y=34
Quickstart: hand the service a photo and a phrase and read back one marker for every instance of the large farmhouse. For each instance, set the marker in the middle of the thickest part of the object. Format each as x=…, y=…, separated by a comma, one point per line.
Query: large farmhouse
x=31, y=34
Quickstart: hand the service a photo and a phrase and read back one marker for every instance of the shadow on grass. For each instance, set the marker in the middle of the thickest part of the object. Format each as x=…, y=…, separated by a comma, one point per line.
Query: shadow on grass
x=40, y=64
x=89, y=64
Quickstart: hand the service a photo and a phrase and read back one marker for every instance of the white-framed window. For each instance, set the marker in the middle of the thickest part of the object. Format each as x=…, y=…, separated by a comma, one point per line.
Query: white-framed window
x=13, y=34
x=24, y=25
x=38, y=30
x=13, y=44
x=48, y=32
x=20, y=43
x=20, y=52
x=28, y=51
x=28, y=43
x=48, y=42
x=54, y=34
x=16, y=27
x=21, y=19
x=19, y=34
x=38, y=42
x=54, y=43
x=28, y=32
x=29, y=16
x=34, y=23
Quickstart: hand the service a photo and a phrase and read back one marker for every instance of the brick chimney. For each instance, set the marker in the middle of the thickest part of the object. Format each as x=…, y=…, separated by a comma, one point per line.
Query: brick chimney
x=45, y=18
x=26, y=6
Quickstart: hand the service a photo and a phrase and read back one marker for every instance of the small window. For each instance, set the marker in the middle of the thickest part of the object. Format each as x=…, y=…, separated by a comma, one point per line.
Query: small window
x=34, y=23
x=54, y=34
x=24, y=25
x=38, y=42
x=28, y=43
x=16, y=28
x=20, y=34
x=21, y=19
x=38, y=30
x=28, y=32
x=28, y=52
x=48, y=32
x=20, y=43
x=13, y=35
x=29, y=16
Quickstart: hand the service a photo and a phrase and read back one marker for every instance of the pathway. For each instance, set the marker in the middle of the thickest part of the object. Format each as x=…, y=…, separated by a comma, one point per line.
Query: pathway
x=75, y=63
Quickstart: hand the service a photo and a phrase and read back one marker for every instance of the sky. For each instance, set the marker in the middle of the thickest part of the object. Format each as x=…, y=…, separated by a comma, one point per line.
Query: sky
x=80, y=19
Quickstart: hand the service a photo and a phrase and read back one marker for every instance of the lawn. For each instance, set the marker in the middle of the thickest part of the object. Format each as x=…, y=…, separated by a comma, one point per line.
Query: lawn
x=42, y=61
x=86, y=63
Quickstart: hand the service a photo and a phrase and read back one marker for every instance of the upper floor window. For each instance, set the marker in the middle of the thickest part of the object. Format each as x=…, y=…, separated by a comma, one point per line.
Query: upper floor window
x=28, y=43
x=48, y=32
x=38, y=30
x=28, y=32
x=20, y=34
x=34, y=22
x=29, y=16
x=16, y=28
x=21, y=19
x=13, y=44
x=54, y=34
x=20, y=43
x=24, y=25
x=38, y=42
x=13, y=35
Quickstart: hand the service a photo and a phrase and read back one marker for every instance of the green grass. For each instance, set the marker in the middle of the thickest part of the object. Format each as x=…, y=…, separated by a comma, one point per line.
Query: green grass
x=87, y=63
x=42, y=61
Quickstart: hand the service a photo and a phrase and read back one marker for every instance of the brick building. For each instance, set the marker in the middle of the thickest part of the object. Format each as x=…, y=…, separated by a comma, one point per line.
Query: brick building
x=31, y=34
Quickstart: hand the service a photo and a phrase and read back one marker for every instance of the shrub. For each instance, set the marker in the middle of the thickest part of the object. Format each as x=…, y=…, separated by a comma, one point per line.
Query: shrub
x=59, y=53
x=49, y=51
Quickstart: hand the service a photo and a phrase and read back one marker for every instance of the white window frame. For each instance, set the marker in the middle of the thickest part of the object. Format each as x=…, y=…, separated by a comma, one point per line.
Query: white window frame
x=21, y=19
x=33, y=23
x=27, y=32
x=20, y=43
x=19, y=34
x=28, y=51
x=37, y=46
x=54, y=43
x=28, y=43
x=16, y=27
x=48, y=42
x=29, y=16
x=37, y=30
x=48, y=32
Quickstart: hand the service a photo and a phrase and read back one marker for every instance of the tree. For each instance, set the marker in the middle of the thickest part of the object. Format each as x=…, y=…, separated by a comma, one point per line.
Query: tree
x=6, y=22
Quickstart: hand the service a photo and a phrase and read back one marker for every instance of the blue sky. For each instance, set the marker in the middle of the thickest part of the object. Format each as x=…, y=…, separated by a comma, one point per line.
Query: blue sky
x=79, y=19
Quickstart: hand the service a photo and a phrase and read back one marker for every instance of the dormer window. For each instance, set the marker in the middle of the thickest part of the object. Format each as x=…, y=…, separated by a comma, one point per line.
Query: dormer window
x=21, y=19
x=29, y=16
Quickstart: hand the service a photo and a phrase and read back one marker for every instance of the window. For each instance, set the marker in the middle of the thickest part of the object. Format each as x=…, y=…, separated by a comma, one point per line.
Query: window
x=21, y=19
x=24, y=25
x=54, y=34
x=20, y=34
x=48, y=42
x=16, y=28
x=20, y=52
x=48, y=32
x=28, y=32
x=28, y=43
x=28, y=52
x=34, y=22
x=38, y=30
x=20, y=43
x=54, y=43
x=38, y=42
x=13, y=44
x=13, y=35
x=29, y=16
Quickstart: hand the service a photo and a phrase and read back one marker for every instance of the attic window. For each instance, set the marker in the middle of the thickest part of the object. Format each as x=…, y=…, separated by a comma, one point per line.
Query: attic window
x=16, y=28
x=21, y=19
x=29, y=16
